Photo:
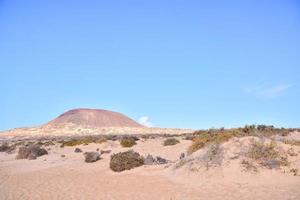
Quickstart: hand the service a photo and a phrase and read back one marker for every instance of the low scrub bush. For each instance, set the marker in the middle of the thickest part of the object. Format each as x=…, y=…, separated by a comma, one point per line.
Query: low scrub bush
x=209, y=138
x=4, y=147
x=170, y=141
x=125, y=161
x=78, y=141
x=31, y=152
x=292, y=142
x=266, y=155
x=127, y=142
x=100, y=140
x=84, y=140
x=294, y=171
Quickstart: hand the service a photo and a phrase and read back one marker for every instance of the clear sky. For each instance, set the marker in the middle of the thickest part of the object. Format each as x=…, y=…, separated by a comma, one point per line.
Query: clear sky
x=190, y=64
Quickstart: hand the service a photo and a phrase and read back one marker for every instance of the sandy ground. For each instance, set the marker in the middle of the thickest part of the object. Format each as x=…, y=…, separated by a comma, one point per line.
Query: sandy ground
x=54, y=177
x=69, y=129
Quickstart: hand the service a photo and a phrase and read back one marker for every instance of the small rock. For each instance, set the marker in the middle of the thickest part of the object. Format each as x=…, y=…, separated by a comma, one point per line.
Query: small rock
x=91, y=157
x=149, y=160
x=97, y=149
x=182, y=156
x=77, y=150
x=105, y=151
x=63, y=156
x=31, y=157
x=160, y=160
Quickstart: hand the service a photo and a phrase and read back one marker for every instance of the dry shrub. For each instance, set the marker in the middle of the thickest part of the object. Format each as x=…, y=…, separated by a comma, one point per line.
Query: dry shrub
x=209, y=138
x=100, y=140
x=125, y=161
x=291, y=152
x=31, y=152
x=127, y=142
x=249, y=166
x=292, y=142
x=294, y=171
x=4, y=147
x=266, y=155
x=247, y=130
x=78, y=141
x=213, y=156
x=170, y=141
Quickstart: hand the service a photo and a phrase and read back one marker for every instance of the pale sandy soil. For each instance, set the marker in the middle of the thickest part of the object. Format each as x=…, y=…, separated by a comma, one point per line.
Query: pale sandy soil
x=69, y=129
x=54, y=177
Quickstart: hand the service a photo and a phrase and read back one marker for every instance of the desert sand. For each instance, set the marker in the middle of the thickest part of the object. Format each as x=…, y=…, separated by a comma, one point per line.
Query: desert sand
x=254, y=162
x=55, y=177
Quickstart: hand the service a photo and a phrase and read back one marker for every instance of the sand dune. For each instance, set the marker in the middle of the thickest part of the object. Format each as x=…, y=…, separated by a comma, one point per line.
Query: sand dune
x=54, y=177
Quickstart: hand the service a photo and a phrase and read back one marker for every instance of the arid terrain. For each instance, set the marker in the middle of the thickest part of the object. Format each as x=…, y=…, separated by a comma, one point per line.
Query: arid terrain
x=253, y=162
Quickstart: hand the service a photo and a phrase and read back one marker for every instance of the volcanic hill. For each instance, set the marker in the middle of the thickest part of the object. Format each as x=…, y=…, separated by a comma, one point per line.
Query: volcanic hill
x=95, y=118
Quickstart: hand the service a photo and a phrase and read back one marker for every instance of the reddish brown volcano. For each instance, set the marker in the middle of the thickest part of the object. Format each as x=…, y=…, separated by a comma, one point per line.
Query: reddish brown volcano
x=94, y=118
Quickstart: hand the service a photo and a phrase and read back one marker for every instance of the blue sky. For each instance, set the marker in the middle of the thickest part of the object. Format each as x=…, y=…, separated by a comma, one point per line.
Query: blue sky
x=188, y=64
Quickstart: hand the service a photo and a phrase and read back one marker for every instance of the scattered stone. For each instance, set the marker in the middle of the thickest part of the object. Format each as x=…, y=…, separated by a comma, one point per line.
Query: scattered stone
x=31, y=152
x=182, y=156
x=149, y=160
x=77, y=150
x=160, y=160
x=97, y=149
x=63, y=156
x=105, y=151
x=91, y=157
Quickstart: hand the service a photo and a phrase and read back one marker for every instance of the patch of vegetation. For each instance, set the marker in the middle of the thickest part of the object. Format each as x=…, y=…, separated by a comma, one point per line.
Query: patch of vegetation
x=84, y=141
x=125, y=161
x=294, y=171
x=291, y=152
x=127, y=142
x=266, y=155
x=31, y=152
x=292, y=142
x=249, y=166
x=170, y=141
x=4, y=147
x=213, y=156
x=203, y=137
x=100, y=140
x=209, y=138
x=78, y=141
